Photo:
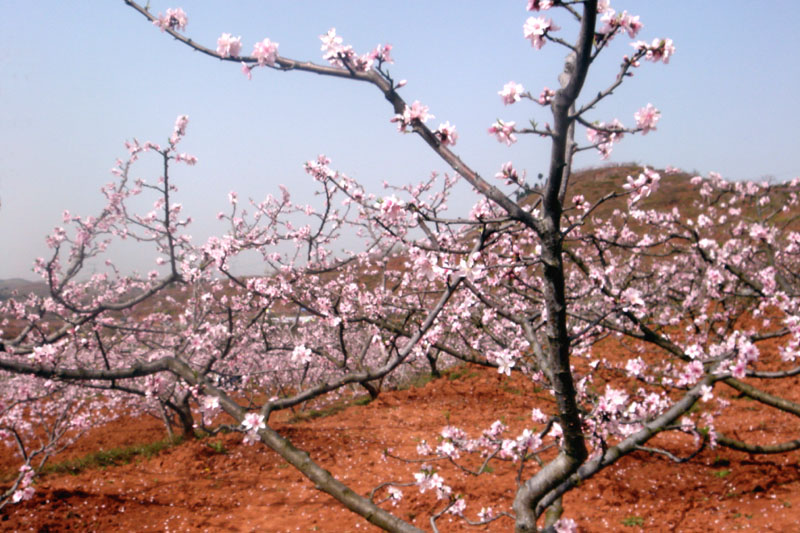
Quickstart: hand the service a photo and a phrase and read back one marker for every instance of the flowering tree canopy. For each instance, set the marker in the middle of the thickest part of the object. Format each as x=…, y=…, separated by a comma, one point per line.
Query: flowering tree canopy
x=529, y=280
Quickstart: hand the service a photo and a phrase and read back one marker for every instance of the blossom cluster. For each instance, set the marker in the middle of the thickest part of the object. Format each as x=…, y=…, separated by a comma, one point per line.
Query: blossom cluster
x=174, y=19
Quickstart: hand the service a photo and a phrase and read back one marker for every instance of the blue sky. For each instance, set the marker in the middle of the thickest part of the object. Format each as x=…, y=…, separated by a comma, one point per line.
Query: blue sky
x=79, y=78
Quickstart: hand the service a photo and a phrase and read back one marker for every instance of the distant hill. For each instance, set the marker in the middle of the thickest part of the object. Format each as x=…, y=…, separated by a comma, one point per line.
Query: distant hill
x=22, y=287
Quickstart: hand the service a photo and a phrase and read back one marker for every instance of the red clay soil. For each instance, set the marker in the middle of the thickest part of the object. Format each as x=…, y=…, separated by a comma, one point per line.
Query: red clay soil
x=235, y=487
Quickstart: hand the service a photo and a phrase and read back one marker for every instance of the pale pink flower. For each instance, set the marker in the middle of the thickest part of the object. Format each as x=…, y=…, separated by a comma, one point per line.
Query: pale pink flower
x=505, y=362
x=536, y=28
x=395, y=494
x=539, y=5
x=175, y=19
x=511, y=93
x=186, y=158
x=417, y=111
x=424, y=267
x=335, y=52
x=447, y=449
x=382, y=53
x=546, y=96
x=253, y=422
x=636, y=367
x=392, y=209
x=266, y=52
x=486, y=513
x=458, y=507
x=246, y=70
x=692, y=372
x=210, y=403
x=642, y=186
x=631, y=24
x=302, y=354
x=604, y=140
x=565, y=525
x=706, y=393
x=538, y=416
x=495, y=430
x=504, y=131
x=229, y=46
x=24, y=490
x=658, y=50
x=427, y=479
x=510, y=174
x=180, y=128
x=646, y=118
x=613, y=22
x=423, y=448
x=446, y=134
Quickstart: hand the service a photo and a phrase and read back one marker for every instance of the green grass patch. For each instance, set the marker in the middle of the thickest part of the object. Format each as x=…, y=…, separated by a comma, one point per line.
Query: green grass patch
x=460, y=372
x=113, y=457
x=218, y=447
x=330, y=410
x=633, y=521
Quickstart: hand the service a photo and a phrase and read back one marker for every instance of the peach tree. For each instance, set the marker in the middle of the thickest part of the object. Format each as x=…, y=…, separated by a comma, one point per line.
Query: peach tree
x=529, y=280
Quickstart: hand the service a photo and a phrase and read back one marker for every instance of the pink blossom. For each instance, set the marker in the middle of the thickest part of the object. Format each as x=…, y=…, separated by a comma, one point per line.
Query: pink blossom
x=486, y=513
x=423, y=448
x=536, y=28
x=382, y=53
x=604, y=140
x=24, y=490
x=253, y=422
x=495, y=430
x=302, y=354
x=636, y=367
x=511, y=93
x=692, y=372
x=458, y=507
x=538, y=416
x=504, y=131
x=423, y=266
x=706, y=393
x=539, y=5
x=175, y=19
x=447, y=449
x=510, y=174
x=446, y=134
x=565, y=525
x=427, y=479
x=646, y=118
x=391, y=208
x=505, y=362
x=229, y=46
x=624, y=21
x=266, y=52
x=546, y=96
x=643, y=185
x=180, y=128
x=186, y=158
x=417, y=111
x=247, y=70
x=335, y=52
x=395, y=494
x=658, y=50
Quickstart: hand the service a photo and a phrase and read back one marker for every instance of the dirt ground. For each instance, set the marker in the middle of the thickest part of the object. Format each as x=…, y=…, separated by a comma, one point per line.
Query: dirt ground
x=220, y=484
